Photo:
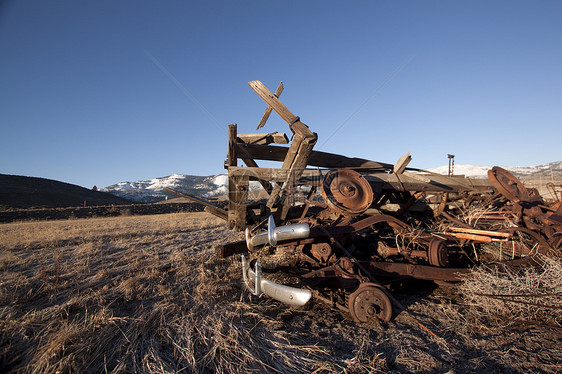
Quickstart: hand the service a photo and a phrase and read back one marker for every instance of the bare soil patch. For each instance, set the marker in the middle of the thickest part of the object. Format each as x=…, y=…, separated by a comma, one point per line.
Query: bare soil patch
x=146, y=294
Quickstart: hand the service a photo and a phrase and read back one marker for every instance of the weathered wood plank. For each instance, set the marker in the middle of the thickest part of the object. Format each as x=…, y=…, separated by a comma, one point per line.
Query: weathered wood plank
x=287, y=162
x=401, y=164
x=232, y=248
x=273, y=102
x=296, y=171
x=271, y=174
x=268, y=110
x=294, y=122
x=316, y=158
x=274, y=137
x=231, y=157
x=237, y=201
x=217, y=212
x=209, y=207
x=383, y=181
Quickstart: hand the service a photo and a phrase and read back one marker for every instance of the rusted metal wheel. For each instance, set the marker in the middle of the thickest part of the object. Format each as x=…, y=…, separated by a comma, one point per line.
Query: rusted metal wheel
x=508, y=185
x=347, y=191
x=370, y=301
x=524, y=242
x=438, y=253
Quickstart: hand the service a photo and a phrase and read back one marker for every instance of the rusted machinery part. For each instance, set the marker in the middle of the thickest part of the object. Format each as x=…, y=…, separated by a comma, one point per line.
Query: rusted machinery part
x=340, y=275
x=426, y=272
x=556, y=241
x=438, y=253
x=532, y=244
x=347, y=191
x=370, y=301
x=393, y=222
x=554, y=192
x=322, y=252
x=508, y=185
x=555, y=218
x=534, y=195
x=399, y=227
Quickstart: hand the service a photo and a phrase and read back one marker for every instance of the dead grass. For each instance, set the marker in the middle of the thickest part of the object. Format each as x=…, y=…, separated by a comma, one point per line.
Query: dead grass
x=530, y=294
x=145, y=294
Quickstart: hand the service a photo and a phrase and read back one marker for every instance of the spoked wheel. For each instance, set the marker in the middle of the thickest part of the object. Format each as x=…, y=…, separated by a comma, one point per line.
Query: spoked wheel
x=370, y=301
x=524, y=242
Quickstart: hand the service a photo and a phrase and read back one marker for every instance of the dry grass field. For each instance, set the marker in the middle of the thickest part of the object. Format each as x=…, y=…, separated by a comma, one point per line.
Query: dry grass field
x=146, y=294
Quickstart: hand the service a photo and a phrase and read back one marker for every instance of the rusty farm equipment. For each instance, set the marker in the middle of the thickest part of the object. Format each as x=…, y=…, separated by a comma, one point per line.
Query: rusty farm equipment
x=350, y=226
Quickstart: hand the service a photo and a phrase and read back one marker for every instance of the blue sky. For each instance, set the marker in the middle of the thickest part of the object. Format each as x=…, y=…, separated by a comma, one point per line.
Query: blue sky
x=99, y=92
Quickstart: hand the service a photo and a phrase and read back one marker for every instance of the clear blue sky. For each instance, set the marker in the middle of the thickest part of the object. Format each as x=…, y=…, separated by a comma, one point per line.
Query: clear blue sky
x=84, y=98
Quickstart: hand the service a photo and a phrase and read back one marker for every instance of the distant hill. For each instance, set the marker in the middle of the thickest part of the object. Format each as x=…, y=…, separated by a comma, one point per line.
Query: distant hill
x=26, y=192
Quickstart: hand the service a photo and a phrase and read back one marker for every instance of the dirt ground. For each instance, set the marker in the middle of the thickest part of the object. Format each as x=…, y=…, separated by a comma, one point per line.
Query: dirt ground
x=146, y=294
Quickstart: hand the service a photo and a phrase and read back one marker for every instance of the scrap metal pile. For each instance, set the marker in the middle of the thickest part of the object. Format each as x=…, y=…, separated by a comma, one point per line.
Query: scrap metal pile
x=349, y=226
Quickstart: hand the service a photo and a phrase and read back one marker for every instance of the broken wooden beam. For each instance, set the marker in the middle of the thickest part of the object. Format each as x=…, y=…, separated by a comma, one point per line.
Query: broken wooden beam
x=268, y=110
x=237, y=201
x=209, y=207
x=316, y=158
x=264, y=139
x=232, y=248
x=273, y=101
x=401, y=164
x=231, y=158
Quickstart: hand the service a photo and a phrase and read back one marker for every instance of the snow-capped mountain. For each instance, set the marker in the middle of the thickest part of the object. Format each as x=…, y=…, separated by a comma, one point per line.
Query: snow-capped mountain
x=149, y=191
x=217, y=185
x=477, y=171
x=471, y=171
